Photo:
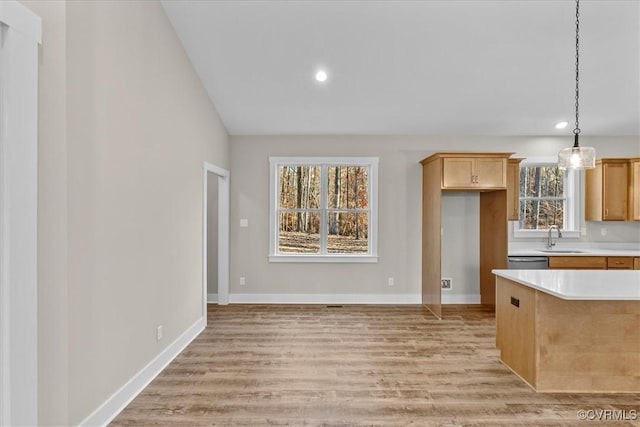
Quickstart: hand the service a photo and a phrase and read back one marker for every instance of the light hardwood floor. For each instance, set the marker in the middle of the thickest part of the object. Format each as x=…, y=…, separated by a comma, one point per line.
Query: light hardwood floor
x=352, y=366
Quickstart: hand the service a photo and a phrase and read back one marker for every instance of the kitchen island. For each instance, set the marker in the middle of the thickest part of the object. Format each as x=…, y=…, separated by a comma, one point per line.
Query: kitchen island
x=570, y=330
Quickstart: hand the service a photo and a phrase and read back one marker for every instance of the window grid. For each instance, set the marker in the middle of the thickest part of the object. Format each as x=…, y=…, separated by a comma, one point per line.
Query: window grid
x=324, y=211
x=569, y=199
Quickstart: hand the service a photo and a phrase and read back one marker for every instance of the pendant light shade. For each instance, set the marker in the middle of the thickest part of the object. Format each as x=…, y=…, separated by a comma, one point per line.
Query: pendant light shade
x=577, y=157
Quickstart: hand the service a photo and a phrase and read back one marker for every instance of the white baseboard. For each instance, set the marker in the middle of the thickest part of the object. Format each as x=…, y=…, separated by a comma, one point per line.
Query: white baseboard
x=460, y=298
x=342, y=298
x=325, y=299
x=106, y=412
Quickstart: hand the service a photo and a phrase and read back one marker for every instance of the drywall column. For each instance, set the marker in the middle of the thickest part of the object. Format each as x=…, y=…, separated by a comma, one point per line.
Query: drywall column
x=20, y=34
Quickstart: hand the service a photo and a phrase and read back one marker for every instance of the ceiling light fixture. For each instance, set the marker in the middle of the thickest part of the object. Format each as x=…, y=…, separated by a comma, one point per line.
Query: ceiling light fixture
x=321, y=76
x=562, y=125
x=577, y=157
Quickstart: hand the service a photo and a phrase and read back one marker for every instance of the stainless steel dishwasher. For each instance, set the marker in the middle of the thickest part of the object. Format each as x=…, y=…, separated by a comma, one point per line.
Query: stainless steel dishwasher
x=528, y=262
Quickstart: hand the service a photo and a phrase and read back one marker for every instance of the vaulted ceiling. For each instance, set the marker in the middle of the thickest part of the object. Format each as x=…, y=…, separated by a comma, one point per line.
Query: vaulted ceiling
x=415, y=67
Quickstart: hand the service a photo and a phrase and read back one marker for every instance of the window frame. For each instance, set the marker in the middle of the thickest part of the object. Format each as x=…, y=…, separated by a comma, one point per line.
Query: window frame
x=573, y=201
x=324, y=162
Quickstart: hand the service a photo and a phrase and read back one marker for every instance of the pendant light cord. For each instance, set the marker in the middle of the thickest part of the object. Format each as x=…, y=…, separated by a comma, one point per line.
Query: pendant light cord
x=576, y=131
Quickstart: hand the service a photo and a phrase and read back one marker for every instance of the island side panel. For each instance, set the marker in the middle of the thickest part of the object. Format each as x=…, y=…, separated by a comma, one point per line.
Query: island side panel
x=516, y=328
x=588, y=346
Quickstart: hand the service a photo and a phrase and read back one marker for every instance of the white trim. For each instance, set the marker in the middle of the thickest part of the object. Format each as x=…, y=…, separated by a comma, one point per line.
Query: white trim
x=372, y=163
x=212, y=298
x=106, y=412
x=21, y=19
x=224, y=177
x=5, y=331
x=324, y=258
x=573, y=205
x=325, y=299
x=448, y=298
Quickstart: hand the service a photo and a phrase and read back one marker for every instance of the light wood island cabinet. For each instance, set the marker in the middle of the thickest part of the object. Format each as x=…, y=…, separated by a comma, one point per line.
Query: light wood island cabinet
x=607, y=191
x=570, y=331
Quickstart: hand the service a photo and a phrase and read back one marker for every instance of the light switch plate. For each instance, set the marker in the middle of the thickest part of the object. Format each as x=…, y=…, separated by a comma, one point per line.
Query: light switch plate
x=244, y=222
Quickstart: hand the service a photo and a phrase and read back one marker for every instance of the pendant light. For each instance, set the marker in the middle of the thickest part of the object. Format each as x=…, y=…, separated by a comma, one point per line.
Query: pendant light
x=577, y=157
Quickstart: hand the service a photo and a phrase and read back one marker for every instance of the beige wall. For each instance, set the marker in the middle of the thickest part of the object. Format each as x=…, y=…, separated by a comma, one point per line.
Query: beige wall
x=125, y=126
x=399, y=209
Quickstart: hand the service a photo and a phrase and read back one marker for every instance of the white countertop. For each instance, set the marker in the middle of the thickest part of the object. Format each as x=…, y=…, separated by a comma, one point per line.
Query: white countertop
x=609, y=285
x=568, y=252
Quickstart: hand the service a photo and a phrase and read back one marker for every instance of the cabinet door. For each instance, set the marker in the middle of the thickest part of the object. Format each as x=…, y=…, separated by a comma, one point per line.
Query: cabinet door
x=457, y=172
x=636, y=263
x=634, y=190
x=593, y=194
x=513, y=190
x=614, y=191
x=490, y=173
x=577, y=263
x=619, y=263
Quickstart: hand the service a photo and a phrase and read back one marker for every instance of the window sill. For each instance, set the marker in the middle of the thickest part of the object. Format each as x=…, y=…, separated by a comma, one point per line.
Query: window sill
x=325, y=258
x=536, y=234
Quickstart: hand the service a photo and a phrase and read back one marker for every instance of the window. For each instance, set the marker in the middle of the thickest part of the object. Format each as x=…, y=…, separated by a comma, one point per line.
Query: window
x=323, y=209
x=548, y=196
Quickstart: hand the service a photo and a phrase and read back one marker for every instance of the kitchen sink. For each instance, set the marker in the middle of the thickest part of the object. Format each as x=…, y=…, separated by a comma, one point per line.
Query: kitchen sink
x=561, y=251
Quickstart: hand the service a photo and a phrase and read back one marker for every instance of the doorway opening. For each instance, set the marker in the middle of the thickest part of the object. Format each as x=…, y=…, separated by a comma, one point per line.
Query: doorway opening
x=215, y=236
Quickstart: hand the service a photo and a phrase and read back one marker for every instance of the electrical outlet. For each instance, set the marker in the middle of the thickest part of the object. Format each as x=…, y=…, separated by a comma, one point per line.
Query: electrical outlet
x=446, y=283
x=583, y=231
x=243, y=281
x=390, y=281
x=603, y=231
x=159, y=333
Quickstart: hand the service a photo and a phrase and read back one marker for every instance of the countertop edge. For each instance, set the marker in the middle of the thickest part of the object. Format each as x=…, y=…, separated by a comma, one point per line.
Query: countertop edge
x=513, y=275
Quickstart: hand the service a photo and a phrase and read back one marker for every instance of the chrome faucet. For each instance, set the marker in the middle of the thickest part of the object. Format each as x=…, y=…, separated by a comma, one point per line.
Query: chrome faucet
x=550, y=242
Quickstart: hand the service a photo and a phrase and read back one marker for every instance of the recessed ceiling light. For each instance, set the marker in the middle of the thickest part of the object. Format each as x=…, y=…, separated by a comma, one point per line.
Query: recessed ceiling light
x=321, y=76
x=562, y=125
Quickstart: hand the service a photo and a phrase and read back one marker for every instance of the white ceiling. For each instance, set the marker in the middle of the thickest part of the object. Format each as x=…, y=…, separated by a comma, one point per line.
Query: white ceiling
x=415, y=67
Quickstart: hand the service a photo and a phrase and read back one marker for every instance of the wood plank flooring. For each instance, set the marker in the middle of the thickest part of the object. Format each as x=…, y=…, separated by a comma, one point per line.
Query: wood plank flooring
x=352, y=366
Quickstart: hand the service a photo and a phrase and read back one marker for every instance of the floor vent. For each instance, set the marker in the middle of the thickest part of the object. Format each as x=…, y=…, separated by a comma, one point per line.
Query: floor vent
x=334, y=306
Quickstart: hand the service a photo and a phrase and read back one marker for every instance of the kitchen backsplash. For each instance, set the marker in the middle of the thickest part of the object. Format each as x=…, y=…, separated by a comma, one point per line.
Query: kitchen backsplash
x=599, y=234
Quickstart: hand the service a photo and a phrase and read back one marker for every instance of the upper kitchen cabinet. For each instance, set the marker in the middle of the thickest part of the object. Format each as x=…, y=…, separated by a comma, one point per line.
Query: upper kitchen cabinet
x=513, y=189
x=606, y=190
x=634, y=189
x=474, y=171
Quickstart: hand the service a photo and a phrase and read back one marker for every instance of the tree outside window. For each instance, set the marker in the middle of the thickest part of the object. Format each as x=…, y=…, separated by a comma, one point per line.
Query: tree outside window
x=545, y=200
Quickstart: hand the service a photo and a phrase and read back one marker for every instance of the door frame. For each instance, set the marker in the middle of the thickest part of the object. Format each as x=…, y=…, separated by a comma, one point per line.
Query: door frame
x=223, y=234
x=21, y=33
